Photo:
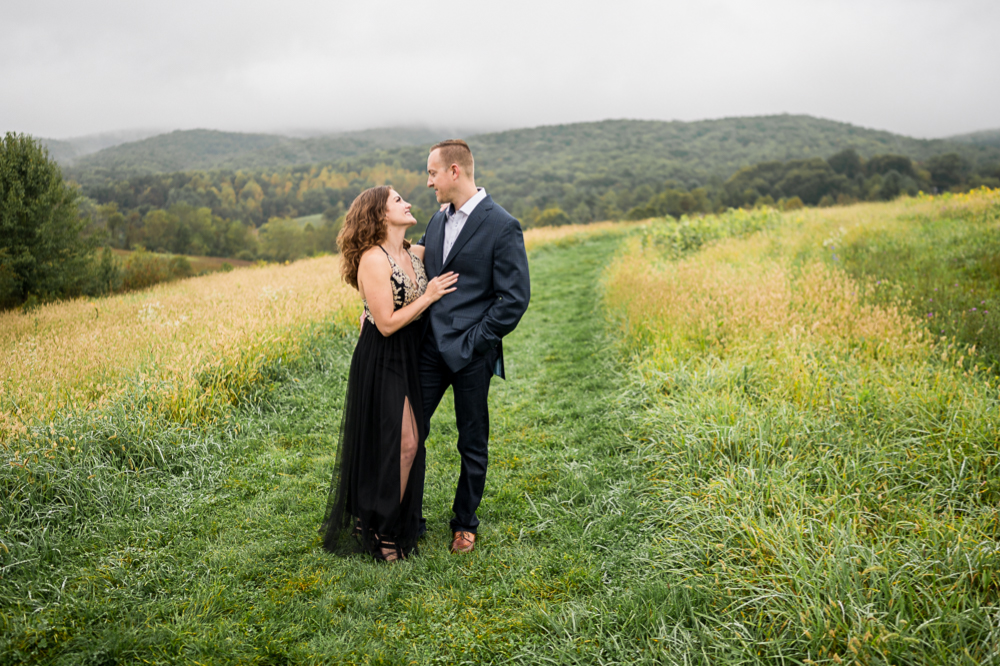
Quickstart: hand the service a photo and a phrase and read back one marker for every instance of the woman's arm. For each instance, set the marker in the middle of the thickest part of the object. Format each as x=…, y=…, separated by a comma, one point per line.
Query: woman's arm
x=374, y=275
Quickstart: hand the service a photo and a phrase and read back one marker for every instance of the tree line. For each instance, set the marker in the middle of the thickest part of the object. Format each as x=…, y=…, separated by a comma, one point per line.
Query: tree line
x=843, y=178
x=216, y=212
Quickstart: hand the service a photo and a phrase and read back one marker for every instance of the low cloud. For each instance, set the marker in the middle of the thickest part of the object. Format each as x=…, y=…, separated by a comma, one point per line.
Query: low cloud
x=923, y=68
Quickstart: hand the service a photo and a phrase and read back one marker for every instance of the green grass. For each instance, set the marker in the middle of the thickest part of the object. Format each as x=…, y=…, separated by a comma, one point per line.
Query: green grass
x=220, y=562
x=827, y=499
x=629, y=518
x=945, y=265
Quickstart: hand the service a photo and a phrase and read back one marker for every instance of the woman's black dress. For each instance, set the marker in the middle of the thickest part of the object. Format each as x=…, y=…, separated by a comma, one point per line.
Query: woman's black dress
x=364, y=494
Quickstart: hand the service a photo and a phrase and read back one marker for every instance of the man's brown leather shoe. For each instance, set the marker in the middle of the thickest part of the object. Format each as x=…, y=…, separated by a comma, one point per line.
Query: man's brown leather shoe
x=463, y=542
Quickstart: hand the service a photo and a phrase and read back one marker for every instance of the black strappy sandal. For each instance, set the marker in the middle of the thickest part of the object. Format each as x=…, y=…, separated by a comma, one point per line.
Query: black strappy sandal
x=387, y=551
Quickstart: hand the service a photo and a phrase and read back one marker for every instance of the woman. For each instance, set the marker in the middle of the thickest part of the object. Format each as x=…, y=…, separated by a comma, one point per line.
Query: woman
x=379, y=478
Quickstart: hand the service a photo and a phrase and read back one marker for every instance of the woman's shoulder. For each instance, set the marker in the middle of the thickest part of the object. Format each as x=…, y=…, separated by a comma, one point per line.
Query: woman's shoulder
x=373, y=257
x=373, y=251
x=417, y=251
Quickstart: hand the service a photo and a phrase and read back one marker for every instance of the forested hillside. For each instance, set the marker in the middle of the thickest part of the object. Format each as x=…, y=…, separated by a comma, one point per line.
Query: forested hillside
x=986, y=138
x=545, y=176
x=181, y=150
x=702, y=149
x=186, y=150
x=680, y=150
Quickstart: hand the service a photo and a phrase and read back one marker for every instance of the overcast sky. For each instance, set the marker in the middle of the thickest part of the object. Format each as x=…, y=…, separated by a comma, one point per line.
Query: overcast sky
x=925, y=68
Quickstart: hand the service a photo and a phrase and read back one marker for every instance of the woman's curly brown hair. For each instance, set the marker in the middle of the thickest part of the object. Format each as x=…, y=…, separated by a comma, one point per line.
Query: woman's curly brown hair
x=364, y=228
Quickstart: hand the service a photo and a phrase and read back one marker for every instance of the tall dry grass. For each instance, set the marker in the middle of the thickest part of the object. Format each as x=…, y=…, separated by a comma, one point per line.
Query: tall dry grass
x=733, y=297
x=188, y=344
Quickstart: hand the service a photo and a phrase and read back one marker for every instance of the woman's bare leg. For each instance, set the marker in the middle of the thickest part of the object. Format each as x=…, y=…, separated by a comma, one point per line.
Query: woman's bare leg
x=407, y=452
x=407, y=446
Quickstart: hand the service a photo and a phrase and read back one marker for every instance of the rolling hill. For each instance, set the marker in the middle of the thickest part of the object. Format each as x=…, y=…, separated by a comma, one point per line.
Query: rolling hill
x=685, y=150
x=67, y=151
x=679, y=150
x=208, y=150
x=588, y=171
x=986, y=138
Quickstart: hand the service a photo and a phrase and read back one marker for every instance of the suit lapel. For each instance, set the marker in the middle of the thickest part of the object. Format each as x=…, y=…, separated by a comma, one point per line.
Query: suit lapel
x=435, y=244
x=476, y=219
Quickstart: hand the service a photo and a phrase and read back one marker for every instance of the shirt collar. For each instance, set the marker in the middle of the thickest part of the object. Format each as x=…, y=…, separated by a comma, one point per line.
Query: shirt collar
x=469, y=205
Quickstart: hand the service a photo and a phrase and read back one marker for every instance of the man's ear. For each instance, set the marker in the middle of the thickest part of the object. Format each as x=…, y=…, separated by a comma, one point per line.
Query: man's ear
x=455, y=171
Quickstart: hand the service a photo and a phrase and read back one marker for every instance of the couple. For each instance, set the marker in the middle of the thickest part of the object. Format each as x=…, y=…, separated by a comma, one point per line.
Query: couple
x=434, y=316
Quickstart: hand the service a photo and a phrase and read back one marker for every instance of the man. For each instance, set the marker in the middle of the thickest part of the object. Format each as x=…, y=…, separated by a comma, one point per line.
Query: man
x=483, y=243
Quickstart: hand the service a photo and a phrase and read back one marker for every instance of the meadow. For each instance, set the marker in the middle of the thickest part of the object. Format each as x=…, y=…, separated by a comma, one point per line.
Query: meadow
x=831, y=458
x=726, y=439
x=184, y=346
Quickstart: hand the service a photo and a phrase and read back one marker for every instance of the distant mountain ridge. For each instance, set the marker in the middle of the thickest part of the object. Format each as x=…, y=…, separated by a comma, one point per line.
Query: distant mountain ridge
x=713, y=147
x=542, y=161
x=207, y=150
x=180, y=150
x=981, y=138
x=676, y=149
x=67, y=151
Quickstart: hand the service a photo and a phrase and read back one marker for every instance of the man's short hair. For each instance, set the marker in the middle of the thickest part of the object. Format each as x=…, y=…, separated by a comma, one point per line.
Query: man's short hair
x=456, y=151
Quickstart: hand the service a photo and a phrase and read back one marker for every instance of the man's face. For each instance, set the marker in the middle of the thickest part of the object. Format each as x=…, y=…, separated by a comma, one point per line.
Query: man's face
x=440, y=177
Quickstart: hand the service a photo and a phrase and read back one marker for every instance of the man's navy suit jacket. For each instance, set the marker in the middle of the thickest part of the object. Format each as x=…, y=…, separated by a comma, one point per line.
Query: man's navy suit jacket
x=493, y=284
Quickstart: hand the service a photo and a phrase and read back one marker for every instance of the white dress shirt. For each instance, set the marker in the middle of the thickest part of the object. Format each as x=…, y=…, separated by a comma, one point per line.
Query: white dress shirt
x=457, y=219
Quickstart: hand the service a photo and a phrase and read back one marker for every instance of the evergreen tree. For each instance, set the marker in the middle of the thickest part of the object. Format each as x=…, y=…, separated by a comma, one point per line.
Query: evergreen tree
x=43, y=254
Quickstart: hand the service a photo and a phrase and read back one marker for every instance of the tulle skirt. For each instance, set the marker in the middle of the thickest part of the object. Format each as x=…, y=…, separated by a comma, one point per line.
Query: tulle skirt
x=364, y=498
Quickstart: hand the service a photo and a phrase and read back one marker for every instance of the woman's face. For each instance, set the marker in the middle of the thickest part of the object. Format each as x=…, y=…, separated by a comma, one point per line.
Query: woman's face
x=397, y=211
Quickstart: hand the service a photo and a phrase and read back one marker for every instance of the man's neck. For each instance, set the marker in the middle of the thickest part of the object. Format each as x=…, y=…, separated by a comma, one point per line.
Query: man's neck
x=462, y=196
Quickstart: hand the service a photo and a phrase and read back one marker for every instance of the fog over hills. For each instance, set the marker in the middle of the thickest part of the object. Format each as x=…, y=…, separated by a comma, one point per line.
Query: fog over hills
x=982, y=138
x=67, y=151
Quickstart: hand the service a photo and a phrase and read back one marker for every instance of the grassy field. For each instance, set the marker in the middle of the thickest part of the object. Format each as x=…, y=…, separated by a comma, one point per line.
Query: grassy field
x=832, y=462
x=939, y=255
x=187, y=348
x=715, y=445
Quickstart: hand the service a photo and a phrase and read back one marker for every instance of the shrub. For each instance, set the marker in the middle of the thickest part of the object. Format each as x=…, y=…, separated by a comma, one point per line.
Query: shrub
x=144, y=269
x=553, y=217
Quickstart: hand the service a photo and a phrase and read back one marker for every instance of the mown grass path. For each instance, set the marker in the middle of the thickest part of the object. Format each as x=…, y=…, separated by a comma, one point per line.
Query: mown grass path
x=230, y=570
